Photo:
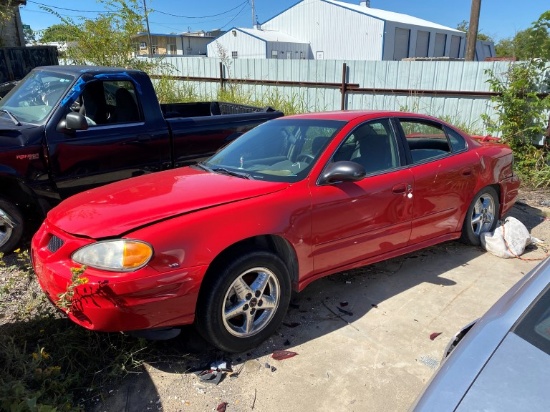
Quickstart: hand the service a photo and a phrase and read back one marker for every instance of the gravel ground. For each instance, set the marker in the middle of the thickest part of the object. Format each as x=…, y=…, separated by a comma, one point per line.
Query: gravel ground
x=20, y=294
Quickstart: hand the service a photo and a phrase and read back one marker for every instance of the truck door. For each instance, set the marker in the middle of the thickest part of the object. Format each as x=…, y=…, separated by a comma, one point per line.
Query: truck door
x=119, y=143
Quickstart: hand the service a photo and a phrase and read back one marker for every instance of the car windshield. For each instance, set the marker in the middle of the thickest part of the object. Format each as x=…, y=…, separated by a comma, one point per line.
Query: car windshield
x=534, y=325
x=33, y=99
x=282, y=150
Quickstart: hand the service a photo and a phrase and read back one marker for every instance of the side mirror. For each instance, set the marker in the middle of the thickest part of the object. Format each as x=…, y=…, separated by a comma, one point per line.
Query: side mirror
x=343, y=171
x=72, y=122
x=76, y=121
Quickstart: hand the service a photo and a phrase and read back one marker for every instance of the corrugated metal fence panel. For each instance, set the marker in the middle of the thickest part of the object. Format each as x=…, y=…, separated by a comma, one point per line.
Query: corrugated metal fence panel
x=415, y=80
x=421, y=77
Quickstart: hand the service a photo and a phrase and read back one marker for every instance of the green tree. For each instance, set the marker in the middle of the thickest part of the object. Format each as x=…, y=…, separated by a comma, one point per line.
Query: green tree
x=29, y=34
x=106, y=40
x=7, y=10
x=505, y=48
x=522, y=116
x=534, y=42
x=58, y=33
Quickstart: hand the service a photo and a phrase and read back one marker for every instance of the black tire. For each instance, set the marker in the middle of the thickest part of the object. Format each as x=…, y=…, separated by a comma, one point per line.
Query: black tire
x=482, y=216
x=264, y=288
x=11, y=226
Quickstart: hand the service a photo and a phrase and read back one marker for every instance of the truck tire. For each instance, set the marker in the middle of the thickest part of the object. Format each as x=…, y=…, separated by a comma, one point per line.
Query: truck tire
x=11, y=226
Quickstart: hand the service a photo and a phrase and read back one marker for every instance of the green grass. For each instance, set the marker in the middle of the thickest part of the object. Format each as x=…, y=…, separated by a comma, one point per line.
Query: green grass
x=47, y=362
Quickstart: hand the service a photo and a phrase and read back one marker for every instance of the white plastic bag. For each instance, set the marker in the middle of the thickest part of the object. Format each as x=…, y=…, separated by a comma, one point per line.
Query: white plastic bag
x=509, y=240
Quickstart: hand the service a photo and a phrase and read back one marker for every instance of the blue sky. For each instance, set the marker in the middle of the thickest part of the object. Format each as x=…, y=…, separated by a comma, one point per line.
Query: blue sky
x=499, y=18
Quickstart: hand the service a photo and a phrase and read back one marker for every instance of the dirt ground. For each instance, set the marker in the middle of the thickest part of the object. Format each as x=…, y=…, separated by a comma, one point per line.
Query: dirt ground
x=367, y=339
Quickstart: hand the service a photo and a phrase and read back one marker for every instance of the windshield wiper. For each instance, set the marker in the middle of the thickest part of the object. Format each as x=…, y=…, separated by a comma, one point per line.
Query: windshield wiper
x=11, y=116
x=225, y=171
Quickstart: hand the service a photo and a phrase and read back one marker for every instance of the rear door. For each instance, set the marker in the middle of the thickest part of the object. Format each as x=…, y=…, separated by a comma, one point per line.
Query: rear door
x=444, y=177
x=352, y=221
x=118, y=143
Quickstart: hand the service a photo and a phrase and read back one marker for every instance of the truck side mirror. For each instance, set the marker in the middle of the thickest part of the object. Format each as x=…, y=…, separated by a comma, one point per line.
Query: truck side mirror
x=74, y=121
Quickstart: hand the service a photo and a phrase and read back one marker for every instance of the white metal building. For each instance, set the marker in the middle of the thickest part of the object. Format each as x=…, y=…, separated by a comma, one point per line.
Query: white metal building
x=239, y=43
x=345, y=31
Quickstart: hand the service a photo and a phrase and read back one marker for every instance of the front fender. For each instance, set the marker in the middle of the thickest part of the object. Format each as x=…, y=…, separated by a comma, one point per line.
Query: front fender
x=197, y=238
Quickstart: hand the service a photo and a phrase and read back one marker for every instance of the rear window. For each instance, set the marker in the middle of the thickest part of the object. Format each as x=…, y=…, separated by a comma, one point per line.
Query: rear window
x=426, y=140
x=534, y=326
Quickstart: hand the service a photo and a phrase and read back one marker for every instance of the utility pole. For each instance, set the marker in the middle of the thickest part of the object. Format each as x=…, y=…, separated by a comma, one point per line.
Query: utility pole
x=150, y=48
x=253, y=14
x=471, y=37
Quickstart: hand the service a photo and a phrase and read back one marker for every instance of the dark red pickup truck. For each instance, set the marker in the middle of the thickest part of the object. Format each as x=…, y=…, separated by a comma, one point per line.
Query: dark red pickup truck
x=65, y=129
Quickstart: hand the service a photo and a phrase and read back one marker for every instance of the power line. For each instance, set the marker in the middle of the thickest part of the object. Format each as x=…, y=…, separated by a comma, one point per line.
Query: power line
x=66, y=9
x=208, y=18
x=151, y=11
x=237, y=15
x=200, y=17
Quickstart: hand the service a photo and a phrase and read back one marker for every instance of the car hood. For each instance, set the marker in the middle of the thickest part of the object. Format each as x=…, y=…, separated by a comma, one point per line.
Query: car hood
x=121, y=207
x=515, y=378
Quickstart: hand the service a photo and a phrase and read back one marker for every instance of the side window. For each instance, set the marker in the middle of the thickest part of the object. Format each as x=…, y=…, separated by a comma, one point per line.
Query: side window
x=457, y=141
x=426, y=140
x=109, y=102
x=372, y=145
x=122, y=101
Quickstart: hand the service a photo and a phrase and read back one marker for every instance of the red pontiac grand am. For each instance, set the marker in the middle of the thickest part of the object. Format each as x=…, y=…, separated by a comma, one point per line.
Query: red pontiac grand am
x=222, y=244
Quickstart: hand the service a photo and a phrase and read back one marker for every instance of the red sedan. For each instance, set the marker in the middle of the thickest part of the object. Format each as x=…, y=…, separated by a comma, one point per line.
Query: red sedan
x=222, y=244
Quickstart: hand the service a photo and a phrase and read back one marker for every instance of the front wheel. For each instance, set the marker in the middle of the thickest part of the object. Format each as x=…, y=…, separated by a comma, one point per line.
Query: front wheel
x=245, y=302
x=482, y=216
x=11, y=226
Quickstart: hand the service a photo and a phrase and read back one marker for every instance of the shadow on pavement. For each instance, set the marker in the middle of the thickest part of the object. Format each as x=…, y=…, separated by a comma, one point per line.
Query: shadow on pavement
x=323, y=307
x=531, y=217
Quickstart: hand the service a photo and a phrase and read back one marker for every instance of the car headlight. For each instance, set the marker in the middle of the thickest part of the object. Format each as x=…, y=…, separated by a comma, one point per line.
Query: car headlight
x=122, y=255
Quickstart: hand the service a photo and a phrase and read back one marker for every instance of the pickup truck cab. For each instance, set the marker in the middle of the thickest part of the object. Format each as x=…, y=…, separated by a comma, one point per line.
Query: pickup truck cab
x=65, y=129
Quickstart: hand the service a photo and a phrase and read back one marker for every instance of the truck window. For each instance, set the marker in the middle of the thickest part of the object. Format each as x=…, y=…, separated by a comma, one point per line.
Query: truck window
x=109, y=102
x=34, y=98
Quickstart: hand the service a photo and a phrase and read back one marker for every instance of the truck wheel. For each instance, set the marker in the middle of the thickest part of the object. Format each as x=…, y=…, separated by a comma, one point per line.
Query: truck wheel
x=482, y=216
x=11, y=226
x=245, y=302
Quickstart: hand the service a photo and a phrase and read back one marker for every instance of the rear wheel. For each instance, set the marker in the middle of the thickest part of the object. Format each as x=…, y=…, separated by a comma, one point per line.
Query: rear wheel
x=11, y=226
x=482, y=216
x=245, y=302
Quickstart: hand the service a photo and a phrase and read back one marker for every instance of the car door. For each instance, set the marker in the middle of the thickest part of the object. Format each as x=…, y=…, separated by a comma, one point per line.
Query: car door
x=352, y=221
x=444, y=177
x=117, y=144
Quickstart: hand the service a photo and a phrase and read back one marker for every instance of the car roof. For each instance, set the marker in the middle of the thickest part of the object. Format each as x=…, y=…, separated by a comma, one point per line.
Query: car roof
x=348, y=115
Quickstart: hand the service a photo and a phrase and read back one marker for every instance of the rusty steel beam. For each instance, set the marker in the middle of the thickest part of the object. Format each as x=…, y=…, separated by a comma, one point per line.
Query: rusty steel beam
x=345, y=88
x=259, y=82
